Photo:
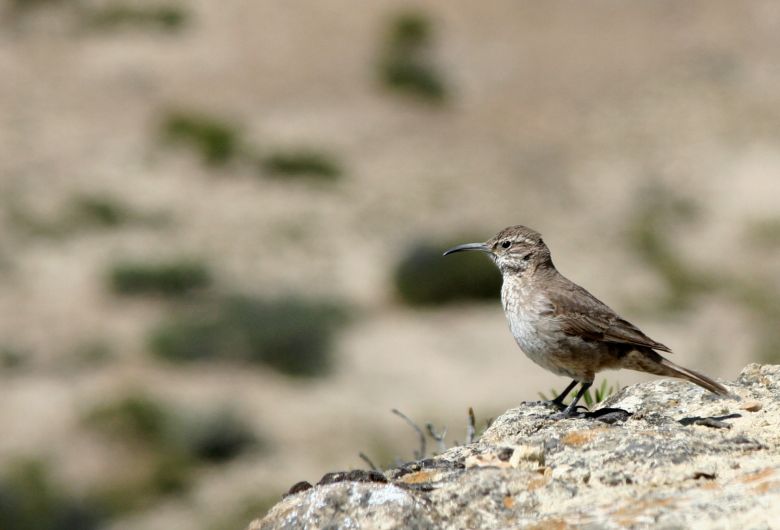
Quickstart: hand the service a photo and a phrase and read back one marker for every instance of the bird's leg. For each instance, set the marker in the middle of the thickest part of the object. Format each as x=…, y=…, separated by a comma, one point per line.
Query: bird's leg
x=558, y=402
x=571, y=410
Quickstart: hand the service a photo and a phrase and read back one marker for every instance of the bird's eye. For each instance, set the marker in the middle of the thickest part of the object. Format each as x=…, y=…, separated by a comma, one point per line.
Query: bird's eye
x=506, y=244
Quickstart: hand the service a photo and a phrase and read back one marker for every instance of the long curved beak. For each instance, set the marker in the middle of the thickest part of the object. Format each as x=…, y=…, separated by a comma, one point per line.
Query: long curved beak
x=482, y=247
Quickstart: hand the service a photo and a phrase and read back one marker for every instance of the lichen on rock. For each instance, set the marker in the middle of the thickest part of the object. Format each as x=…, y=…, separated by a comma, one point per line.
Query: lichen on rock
x=677, y=458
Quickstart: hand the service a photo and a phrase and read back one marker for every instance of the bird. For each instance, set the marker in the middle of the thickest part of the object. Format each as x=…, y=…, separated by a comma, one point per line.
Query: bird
x=564, y=328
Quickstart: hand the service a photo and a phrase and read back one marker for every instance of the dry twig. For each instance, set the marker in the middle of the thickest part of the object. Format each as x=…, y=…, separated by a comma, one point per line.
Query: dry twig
x=418, y=455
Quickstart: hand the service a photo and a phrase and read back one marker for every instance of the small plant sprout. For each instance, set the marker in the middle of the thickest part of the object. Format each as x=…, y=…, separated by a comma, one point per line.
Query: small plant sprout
x=592, y=397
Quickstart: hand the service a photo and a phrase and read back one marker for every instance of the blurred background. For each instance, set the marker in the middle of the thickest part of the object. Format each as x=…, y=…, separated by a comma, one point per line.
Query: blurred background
x=221, y=225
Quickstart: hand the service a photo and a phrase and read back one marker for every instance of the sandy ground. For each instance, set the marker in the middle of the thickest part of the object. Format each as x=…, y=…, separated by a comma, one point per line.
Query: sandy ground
x=561, y=117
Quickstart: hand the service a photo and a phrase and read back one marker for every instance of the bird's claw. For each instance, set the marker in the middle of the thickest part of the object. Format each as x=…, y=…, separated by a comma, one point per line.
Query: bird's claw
x=570, y=412
x=606, y=414
x=552, y=403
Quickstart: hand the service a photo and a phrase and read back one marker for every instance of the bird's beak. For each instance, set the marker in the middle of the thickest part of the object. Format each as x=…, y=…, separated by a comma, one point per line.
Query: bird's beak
x=482, y=247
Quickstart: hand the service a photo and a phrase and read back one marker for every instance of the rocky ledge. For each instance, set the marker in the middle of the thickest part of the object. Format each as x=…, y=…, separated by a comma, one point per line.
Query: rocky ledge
x=675, y=457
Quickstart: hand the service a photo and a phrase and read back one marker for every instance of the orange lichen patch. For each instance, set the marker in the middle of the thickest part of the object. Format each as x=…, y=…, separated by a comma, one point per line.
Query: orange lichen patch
x=751, y=406
x=758, y=475
x=769, y=485
x=419, y=477
x=509, y=502
x=549, y=524
x=578, y=438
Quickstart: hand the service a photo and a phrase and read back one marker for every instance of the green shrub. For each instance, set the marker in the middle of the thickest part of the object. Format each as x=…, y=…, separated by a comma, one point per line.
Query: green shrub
x=98, y=210
x=424, y=277
x=173, y=278
x=119, y=15
x=31, y=500
x=12, y=358
x=408, y=76
x=293, y=336
x=203, y=436
x=592, y=396
x=135, y=417
x=216, y=141
x=218, y=436
x=405, y=63
x=301, y=163
x=81, y=213
x=189, y=336
x=410, y=31
x=171, y=473
x=176, y=443
x=146, y=425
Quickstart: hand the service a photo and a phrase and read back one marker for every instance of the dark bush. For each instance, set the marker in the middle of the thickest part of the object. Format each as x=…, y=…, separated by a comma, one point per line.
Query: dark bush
x=172, y=472
x=218, y=436
x=135, y=417
x=410, y=31
x=405, y=63
x=174, y=442
x=210, y=436
x=403, y=74
x=424, y=277
x=160, y=17
x=98, y=210
x=173, y=278
x=293, y=336
x=81, y=213
x=301, y=163
x=12, y=358
x=215, y=140
x=189, y=336
x=31, y=500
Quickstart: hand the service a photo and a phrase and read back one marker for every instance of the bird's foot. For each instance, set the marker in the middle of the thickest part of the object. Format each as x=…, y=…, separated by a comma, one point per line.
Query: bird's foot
x=606, y=414
x=570, y=412
x=609, y=415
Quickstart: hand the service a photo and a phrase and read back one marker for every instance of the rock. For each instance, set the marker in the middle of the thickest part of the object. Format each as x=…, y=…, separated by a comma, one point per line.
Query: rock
x=351, y=505
x=751, y=406
x=673, y=456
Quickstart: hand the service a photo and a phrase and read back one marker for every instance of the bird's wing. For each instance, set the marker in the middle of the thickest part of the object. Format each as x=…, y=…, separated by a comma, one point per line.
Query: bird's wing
x=582, y=314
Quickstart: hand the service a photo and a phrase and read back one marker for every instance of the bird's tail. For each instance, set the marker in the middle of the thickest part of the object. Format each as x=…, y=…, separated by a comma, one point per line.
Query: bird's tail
x=651, y=362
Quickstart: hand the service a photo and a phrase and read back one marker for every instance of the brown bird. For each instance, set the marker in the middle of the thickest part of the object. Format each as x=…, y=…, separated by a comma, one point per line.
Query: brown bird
x=564, y=328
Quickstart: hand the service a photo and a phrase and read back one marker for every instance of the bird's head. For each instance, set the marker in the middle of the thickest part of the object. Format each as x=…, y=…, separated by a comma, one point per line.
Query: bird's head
x=514, y=249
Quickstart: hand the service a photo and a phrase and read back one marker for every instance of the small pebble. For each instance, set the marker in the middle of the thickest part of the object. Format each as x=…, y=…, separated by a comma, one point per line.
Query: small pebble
x=751, y=406
x=299, y=487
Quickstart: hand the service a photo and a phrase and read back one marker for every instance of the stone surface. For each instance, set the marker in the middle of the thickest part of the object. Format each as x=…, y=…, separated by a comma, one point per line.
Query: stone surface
x=682, y=459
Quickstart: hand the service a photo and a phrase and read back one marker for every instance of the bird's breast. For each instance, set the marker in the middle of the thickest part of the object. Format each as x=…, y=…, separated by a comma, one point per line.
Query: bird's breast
x=539, y=334
x=525, y=311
